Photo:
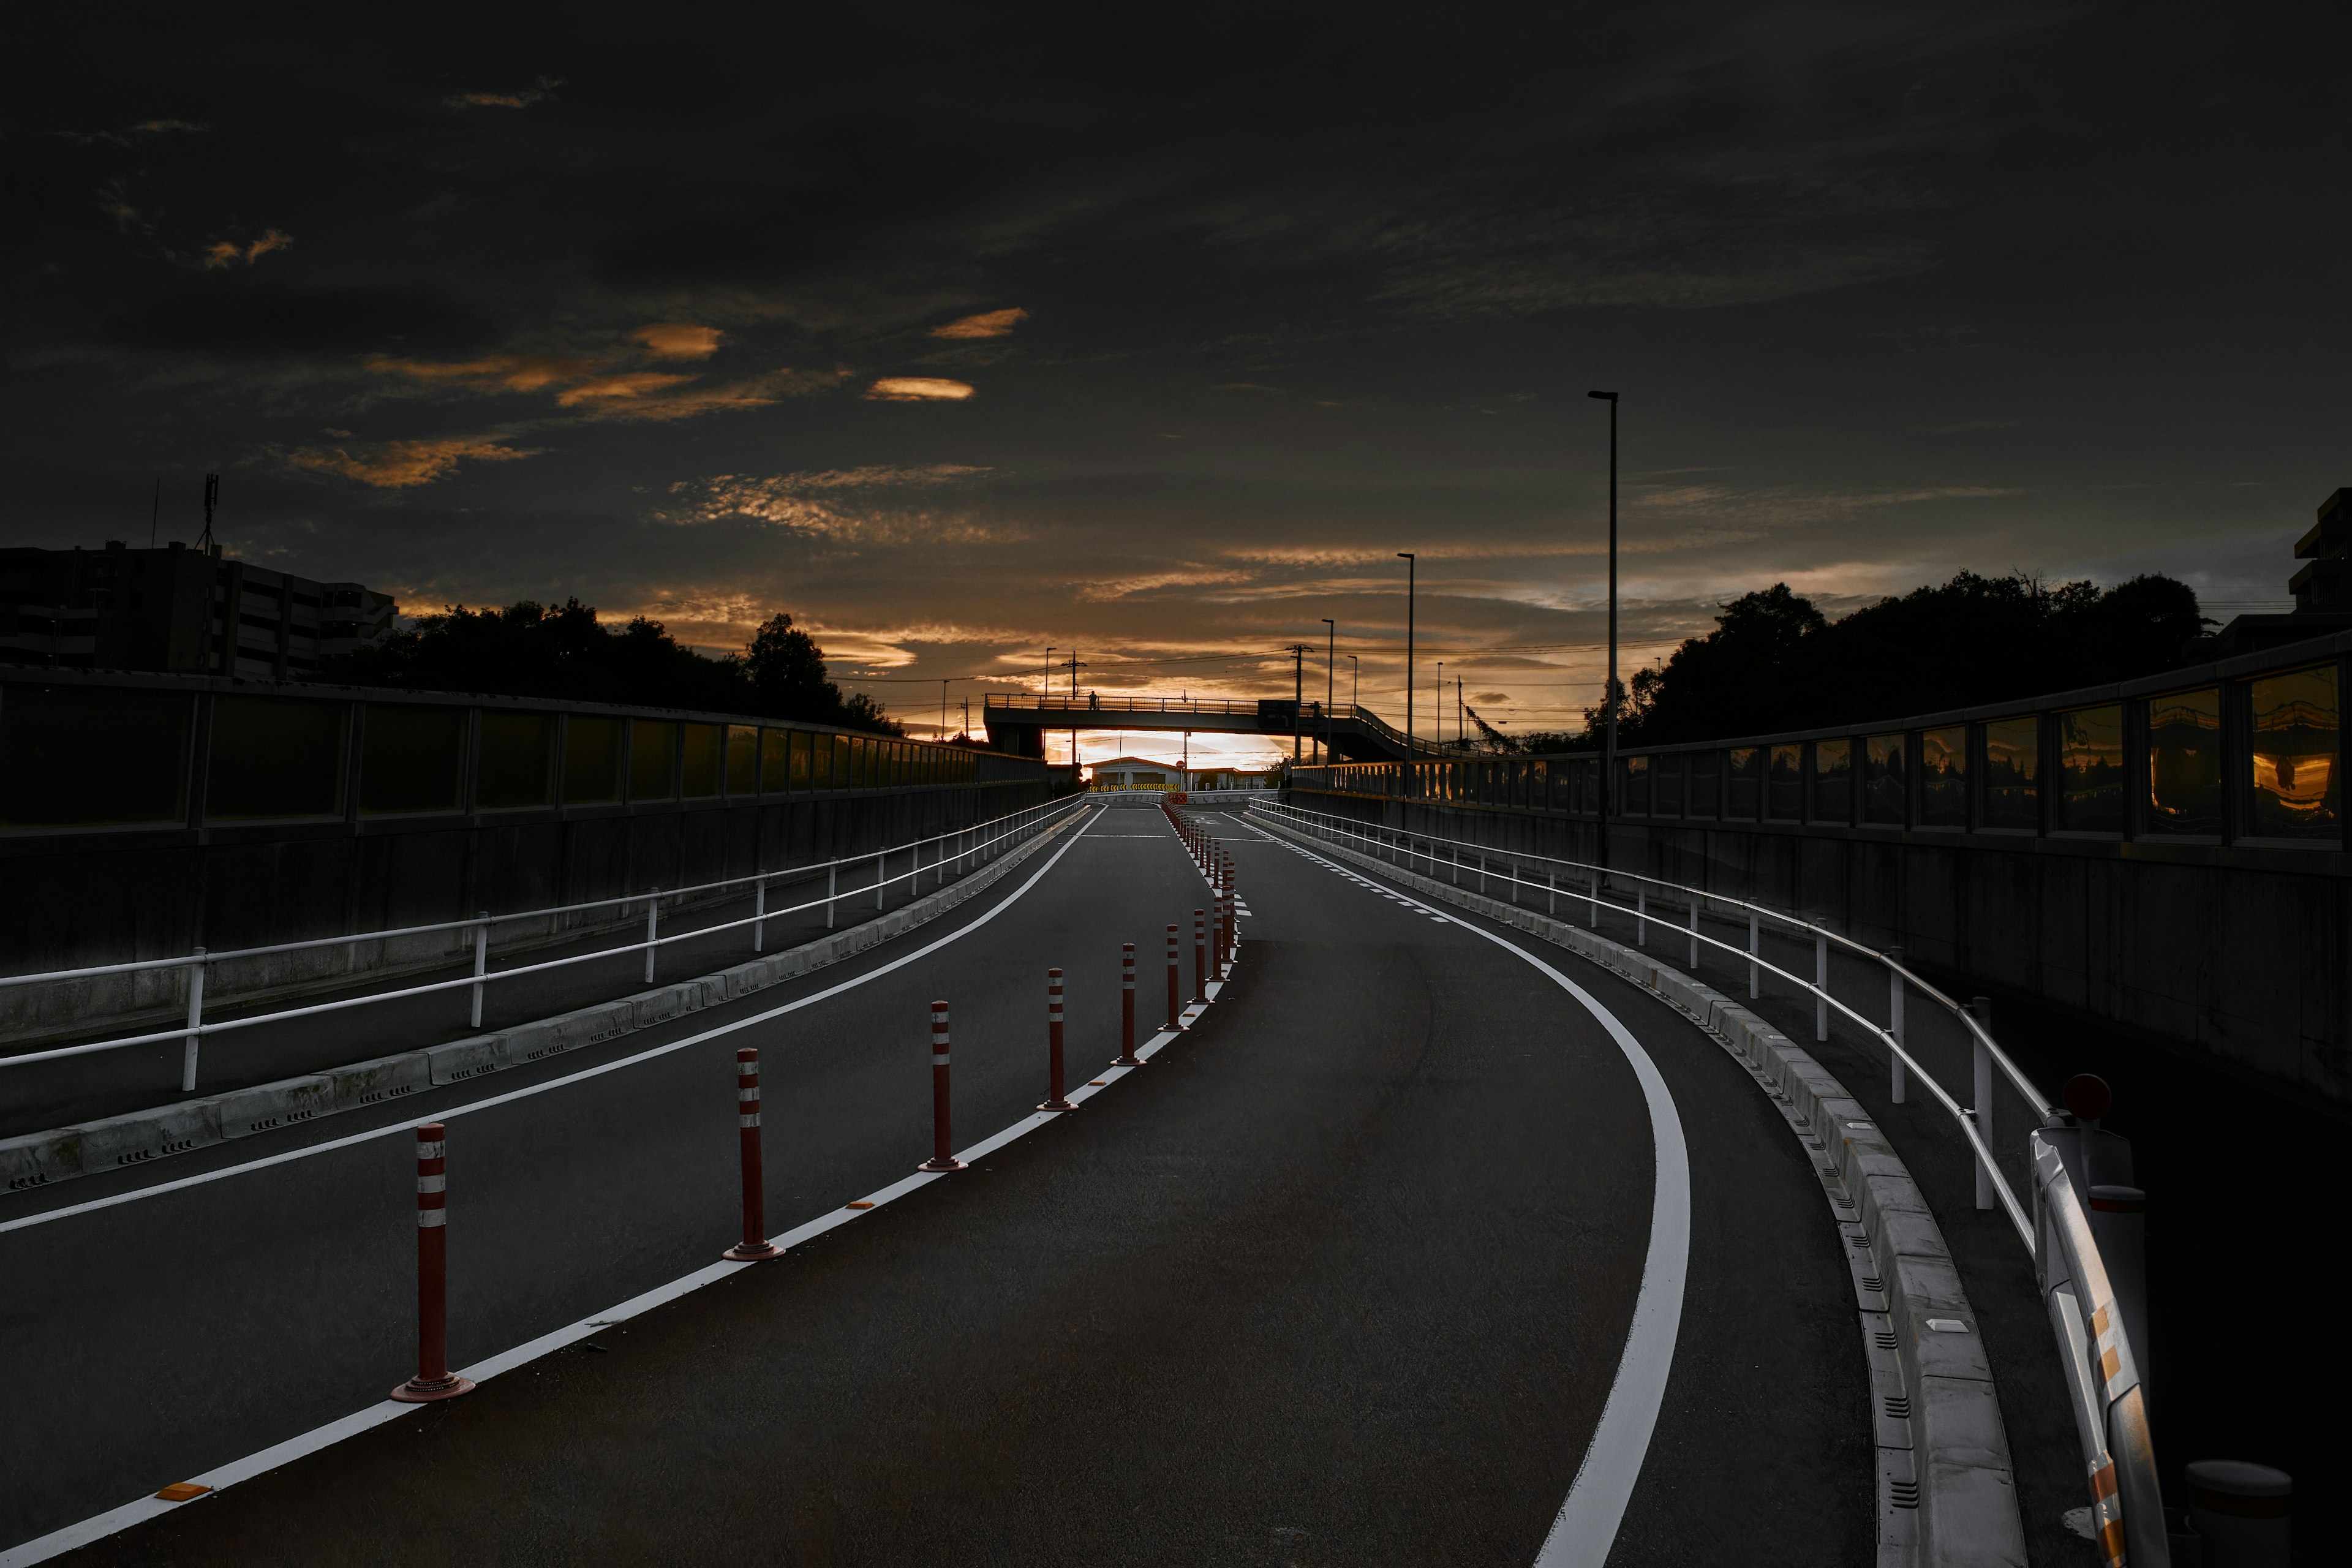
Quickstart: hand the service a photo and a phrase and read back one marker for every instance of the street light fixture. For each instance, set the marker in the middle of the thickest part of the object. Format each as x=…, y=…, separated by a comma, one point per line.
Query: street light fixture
x=1331, y=666
x=1608, y=701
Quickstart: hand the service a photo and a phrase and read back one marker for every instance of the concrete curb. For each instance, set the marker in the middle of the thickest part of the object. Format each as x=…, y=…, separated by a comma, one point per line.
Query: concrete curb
x=61, y=1153
x=1947, y=1491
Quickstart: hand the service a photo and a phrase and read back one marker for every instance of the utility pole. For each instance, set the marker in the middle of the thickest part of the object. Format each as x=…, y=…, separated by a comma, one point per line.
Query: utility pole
x=1437, y=709
x=1075, y=666
x=1406, y=557
x=1297, y=699
x=1331, y=679
x=1609, y=701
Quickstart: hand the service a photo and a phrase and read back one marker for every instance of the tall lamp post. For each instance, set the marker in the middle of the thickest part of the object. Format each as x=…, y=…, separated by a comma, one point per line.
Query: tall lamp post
x=1355, y=681
x=1406, y=557
x=1331, y=679
x=1609, y=701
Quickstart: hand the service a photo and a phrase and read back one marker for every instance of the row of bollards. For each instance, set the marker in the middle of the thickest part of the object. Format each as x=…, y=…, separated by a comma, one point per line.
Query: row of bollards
x=434, y=1381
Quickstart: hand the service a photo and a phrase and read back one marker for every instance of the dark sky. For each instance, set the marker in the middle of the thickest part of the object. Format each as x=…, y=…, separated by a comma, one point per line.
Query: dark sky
x=962, y=331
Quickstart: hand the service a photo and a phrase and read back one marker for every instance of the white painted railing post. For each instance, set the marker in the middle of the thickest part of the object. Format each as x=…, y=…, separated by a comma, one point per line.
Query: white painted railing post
x=1821, y=987
x=195, y=1022
x=832, y=886
x=481, y=962
x=881, y=868
x=1894, y=1023
x=759, y=910
x=1642, y=915
x=653, y=929
x=1983, y=1110
x=1755, y=975
x=1596, y=897
x=1693, y=933
x=1551, y=890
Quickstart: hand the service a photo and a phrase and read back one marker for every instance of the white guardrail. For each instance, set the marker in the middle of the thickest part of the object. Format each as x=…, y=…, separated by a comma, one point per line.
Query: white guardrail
x=959, y=848
x=2110, y=1408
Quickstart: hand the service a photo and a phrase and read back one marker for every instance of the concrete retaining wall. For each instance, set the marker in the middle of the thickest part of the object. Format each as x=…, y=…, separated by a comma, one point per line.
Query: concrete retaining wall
x=1948, y=1495
x=38, y=1159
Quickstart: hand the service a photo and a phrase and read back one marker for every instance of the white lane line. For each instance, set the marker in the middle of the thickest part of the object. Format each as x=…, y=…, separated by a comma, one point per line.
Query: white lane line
x=399, y=1128
x=1586, y=1526
x=114, y=1521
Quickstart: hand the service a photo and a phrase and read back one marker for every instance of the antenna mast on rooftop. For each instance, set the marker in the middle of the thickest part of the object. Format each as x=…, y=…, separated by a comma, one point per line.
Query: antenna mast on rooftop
x=211, y=499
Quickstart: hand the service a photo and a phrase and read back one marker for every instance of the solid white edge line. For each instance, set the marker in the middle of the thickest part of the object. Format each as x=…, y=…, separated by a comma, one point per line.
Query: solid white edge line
x=399, y=1127
x=1586, y=1526
x=114, y=1521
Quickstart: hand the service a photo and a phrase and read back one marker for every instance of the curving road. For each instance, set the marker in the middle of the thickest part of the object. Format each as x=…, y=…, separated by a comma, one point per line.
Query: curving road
x=1366, y=1268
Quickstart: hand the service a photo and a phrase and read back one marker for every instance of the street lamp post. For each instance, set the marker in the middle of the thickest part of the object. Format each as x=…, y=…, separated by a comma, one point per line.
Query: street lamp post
x=1331, y=679
x=1406, y=557
x=1437, y=709
x=1355, y=681
x=1608, y=701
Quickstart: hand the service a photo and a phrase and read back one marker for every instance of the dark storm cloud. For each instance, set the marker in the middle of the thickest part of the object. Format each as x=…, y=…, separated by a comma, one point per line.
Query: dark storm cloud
x=962, y=333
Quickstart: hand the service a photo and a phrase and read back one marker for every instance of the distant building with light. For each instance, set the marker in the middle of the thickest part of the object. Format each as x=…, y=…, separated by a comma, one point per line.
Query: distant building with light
x=178, y=609
x=1144, y=773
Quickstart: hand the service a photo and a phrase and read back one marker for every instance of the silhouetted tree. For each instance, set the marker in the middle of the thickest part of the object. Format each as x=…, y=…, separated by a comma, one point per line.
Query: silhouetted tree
x=530, y=650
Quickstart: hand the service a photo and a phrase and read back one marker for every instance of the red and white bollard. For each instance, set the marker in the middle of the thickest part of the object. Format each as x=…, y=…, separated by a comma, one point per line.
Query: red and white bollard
x=1054, y=1101
x=1175, y=983
x=755, y=1247
x=1200, y=955
x=434, y=1380
x=942, y=1138
x=1127, y=1056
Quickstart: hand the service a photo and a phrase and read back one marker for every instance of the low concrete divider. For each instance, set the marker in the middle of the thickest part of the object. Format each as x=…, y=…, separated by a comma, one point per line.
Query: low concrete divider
x=1947, y=1491
x=38, y=1159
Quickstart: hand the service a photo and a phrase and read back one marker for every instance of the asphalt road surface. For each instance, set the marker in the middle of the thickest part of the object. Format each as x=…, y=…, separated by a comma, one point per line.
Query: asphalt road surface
x=1346, y=1275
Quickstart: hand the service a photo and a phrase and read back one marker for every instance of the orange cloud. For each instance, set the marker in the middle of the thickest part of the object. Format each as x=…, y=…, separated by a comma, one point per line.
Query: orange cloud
x=987, y=324
x=918, y=389
x=397, y=465
x=631, y=383
x=523, y=100
x=514, y=372
x=677, y=340
x=222, y=253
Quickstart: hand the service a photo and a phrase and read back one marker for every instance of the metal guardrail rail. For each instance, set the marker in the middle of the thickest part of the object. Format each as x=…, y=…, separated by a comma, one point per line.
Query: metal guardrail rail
x=2111, y=1412
x=960, y=847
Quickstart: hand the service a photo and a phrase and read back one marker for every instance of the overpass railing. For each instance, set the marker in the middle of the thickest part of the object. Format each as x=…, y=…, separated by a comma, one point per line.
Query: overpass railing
x=1032, y=702
x=2075, y=1286
x=960, y=848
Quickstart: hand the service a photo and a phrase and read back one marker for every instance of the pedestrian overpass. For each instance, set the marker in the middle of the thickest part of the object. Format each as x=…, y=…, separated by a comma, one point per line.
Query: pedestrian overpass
x=1018, y=721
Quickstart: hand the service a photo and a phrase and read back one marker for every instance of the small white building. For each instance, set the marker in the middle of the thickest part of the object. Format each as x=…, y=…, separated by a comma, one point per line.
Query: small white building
x=1138, y=773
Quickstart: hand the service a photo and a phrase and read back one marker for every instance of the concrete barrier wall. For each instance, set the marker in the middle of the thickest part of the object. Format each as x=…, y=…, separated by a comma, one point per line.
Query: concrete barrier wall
x=2233, y=956
x=88, y=905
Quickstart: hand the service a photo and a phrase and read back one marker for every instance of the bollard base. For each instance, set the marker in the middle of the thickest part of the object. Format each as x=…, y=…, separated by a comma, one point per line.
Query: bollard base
x=739, y=1253
x=1057, y=1105
x=941, y=1165
x=421, y=1391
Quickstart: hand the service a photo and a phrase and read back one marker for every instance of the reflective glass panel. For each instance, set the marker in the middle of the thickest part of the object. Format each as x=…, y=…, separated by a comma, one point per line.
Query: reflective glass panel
x=653, y=761
x=1785, y=789
x=1706, y=783
x=2296, y=748
x=1744, y=780
x=1637, y=785
x=742, y=760
x=1666, y=785
x=1833, y=781
x=517, y=765
x=411, y=760
x=2184, y=762
x=775, y=763
x=275, y=759
x=1944, y=777
x=840, y=777
x=592, y=761
x=2091, y=770
x=699, y=758
x=2012, y=773
x=1885, y=786
x=78, y=758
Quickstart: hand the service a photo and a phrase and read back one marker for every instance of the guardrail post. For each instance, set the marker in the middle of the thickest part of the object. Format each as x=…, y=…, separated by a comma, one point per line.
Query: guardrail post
x=1982, y=1006
x=758, y=910
x=1482, y=873
x=942, y=1135
x=434, y=1379
x=1595, y=881
x=755, y=1247
x=1457, y=865
x=1127, y=1056
x=1175, y=983
x=1755, y=975
x=481, y=962
x=1551, y=890
x=1820, y=988
x=1693, y=933
x=653, y=917
x=195, y=1022
x=881, y=870
x=1642, y=916
x=831, y=884
x=1895, y=1085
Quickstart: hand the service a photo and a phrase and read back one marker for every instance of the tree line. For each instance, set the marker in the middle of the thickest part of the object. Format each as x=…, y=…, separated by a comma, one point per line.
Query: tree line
x=529, y=649
x=1775, y=662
